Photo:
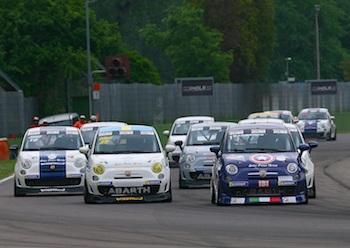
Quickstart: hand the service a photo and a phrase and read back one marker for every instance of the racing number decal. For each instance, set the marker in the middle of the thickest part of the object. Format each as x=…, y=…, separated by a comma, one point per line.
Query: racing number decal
x=263, y=183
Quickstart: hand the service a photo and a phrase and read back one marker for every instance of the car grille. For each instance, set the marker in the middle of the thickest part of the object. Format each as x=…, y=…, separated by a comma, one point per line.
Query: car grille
x=143, y=190
x=53, y=182
x=280, y=191
x=200, y=176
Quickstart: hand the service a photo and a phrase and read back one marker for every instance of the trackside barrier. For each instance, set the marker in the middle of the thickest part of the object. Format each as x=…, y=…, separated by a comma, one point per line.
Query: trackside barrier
x=4, y=149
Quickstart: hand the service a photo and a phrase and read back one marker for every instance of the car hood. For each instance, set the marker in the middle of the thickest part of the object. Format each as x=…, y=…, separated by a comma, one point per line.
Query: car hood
x=199, y=150
x=128, y=160
x=261, y=160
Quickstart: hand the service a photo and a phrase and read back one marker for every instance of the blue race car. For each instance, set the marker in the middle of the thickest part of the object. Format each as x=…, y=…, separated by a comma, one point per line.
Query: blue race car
x=258, y=163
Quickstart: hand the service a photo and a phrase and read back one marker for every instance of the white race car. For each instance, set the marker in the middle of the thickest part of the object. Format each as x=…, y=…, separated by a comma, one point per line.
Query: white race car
x=126, y=163
x=49, y=161
x=179, y=131
x=306, y=158
x=88, y=130
x=317, y=123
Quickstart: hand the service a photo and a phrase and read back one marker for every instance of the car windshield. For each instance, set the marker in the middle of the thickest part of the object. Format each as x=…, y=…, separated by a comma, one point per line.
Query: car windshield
x=313, y=115
x=52, y=140
x=205, y=136
x=88, y=134
x=260, y=140
x=181, y=128
x=117, y=142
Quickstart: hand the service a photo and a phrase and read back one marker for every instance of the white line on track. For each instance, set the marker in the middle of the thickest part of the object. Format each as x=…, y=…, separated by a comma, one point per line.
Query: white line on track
x=6, y=178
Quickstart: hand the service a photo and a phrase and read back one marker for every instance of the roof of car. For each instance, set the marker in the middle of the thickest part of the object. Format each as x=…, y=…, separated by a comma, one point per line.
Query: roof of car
x=257, y=126
x=213, y=124
x=44, y=128
x=261, y=120
x=58, y=117
x=314, y=109
x=127, y=128
x=195, y=117
x=103, y=124
x=266, y=114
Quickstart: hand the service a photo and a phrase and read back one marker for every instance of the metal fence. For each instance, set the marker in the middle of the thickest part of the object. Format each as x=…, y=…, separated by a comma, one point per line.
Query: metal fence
x=152, y=104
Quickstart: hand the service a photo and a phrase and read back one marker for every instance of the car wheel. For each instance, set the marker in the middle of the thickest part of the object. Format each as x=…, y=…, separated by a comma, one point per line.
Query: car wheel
x=170, y=198
x=217, y=195
x=16, y=191
x=181, y=182
x=312, y=192
x=335, y=135
x=88, y=198
x=329, y=136
x=212, y=193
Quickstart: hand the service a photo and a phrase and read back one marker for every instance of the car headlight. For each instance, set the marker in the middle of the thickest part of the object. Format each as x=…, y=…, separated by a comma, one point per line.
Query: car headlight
x=99, y=169
x=79, y=163
x=190, y=158
x=26, y=164
x=157, y=167
x=292, y=168
x=231, y=169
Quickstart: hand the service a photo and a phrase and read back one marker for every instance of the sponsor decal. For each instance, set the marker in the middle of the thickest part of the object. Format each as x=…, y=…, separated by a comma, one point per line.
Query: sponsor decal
x=263, y=183
x=262, y=166
x=130, y=190
x=31, y=176
x=237, y=200
x=289, y=199
x=152, y=182
x=129, y=198
x=52, y=164
x=287, y=183
x=52, y=190
x=74, y=175
x=105, y=183
x=238, y=184
x=262, y=158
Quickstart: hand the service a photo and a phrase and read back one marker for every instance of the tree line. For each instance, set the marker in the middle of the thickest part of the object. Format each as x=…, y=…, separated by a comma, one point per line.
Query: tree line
x=43, y=43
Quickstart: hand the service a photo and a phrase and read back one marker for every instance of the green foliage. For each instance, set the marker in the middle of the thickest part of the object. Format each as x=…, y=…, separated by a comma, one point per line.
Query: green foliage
x=248, y=31
x=44, y=49
x=296, y=38
x=193, y=48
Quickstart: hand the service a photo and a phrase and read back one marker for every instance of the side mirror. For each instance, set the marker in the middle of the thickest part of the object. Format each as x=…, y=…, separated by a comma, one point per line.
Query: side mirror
x=312, y=144
x=332, y=117
x=169, y=148
x=14, y=148
x=303, y=147
x=84, y=150
x=216, y=150
x=179, y=143
x=166, y=133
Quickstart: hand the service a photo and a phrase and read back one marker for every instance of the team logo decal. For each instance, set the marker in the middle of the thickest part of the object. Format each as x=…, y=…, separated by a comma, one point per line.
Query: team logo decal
x=128, y=173
x=262, y=158
x=52, y=167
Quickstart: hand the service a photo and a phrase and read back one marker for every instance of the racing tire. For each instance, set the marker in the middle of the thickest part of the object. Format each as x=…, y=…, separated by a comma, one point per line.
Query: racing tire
x=312, y=192
x=181, y=183
x=217, y=196
x=212, y=193
x=329, y=136
x=170, y=198
x=88, y=198
x=335, y=135
x=16, y=191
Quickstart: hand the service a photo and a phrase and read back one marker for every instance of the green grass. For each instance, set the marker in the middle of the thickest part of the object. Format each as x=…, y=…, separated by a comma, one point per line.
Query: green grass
x=342, y=121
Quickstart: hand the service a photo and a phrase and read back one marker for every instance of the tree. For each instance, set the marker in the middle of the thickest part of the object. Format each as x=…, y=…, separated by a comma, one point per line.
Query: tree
x=296, y=38
x=45, y=48
x=193, y=48
x=248, y=30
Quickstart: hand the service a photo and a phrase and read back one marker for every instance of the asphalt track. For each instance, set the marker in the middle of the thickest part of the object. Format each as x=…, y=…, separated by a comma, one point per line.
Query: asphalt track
x=190, y=220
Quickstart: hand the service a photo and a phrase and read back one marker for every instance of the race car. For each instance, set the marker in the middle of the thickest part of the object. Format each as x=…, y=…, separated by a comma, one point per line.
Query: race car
x=127, y=164
x=49, y=161
x=306, y=158
x=179, y=131
x=258, y=164
x=88, y=130
x=196, y=159
x=317, y=123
